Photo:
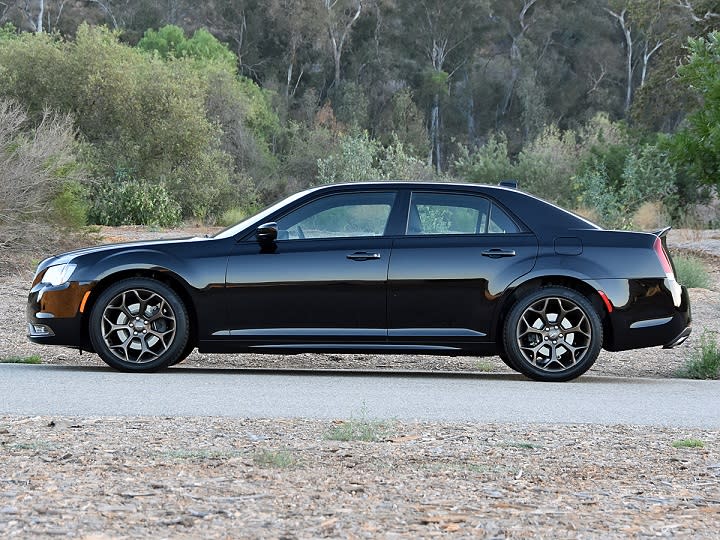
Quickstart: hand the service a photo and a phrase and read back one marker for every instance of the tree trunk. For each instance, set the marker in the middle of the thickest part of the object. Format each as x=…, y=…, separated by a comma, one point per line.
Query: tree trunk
x=470, y=112
x=435, y=134
x=647, y=55
x=627, y=33
x=39, y=24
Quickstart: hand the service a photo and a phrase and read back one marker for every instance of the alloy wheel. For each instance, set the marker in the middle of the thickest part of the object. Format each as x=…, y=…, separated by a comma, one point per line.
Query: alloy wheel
x=138, y=325
x=554, y=334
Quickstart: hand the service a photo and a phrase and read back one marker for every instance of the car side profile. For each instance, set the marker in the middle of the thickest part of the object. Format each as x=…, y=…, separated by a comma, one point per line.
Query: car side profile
x=386, y=267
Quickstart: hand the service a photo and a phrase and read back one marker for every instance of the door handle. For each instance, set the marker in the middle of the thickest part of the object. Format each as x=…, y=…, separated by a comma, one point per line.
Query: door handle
x=497, y=253
x=363, y=256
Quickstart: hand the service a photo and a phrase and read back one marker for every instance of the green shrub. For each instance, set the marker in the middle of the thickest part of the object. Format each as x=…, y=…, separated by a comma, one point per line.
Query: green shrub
x=274, y=459
x=704, y=362
x=489, y=164
x=691, y=272
x=234, y=215
x=688, y=443
x=71, y=205
x=362, y=429
x=134, y=202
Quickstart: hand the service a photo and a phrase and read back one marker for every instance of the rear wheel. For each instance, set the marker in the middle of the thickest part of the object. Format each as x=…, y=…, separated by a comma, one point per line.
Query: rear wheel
x=553, y=334
x=139, y=324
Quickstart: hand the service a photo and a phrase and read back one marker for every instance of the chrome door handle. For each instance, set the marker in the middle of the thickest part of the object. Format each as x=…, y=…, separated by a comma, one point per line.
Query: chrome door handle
x=363, y=256
x=497, y=253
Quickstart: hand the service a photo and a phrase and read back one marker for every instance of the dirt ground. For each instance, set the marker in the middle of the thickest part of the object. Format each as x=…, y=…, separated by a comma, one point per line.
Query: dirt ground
x=147, y=477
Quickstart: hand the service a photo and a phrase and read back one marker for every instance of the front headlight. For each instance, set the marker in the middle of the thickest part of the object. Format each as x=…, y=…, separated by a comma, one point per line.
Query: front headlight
x=58, y=274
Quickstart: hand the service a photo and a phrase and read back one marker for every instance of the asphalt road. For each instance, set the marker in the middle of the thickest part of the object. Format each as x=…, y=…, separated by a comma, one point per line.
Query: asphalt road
x=76, y=391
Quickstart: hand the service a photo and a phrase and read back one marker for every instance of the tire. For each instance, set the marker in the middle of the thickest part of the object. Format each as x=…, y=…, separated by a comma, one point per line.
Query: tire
x=139, y=325
x=506, y=360
x=554, y=334
x=189, y=348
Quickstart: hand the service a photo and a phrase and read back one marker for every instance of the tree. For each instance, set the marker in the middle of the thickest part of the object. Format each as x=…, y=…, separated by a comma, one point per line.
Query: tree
x=170, y=42
x=446, y=39
x=647, y=26
x=697, y=146
x=297, y=23
x=340, y=17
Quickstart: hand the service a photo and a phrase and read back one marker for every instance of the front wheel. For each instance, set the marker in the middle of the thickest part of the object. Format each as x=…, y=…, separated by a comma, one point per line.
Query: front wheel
x=139, y=324
x=553, y=334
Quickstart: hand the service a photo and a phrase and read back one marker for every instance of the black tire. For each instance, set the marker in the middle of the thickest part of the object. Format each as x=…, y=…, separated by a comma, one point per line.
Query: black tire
x=139, y=325
x=507, y=361
x=554, y=334
x=189, y=348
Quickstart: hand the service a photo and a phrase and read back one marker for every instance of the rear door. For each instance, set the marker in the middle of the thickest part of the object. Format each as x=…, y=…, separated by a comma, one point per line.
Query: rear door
x=448, y=272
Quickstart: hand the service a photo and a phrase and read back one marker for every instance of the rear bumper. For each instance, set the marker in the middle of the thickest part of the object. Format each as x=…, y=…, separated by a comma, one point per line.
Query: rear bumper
x=680, y=339
x=646, y=313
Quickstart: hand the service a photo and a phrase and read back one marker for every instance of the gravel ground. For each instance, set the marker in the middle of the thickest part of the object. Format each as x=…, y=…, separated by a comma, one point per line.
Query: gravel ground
x=99, y=478
x=212, y=478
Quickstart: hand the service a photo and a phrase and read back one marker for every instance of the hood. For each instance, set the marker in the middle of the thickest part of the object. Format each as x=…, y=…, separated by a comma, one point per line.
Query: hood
x=68, y=256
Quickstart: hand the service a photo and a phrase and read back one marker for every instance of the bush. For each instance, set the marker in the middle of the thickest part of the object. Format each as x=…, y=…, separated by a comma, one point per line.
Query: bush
x=354, y=161
x=235, y=215
x=704, y=362
x=40, y=180
x=134, y=202
x=647, y=177
x=691, y=272
x=546, y=166
x=71, y=205
x=488, y=165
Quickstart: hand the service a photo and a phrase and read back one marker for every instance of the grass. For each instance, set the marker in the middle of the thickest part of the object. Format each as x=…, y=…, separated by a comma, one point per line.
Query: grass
x=275, y=459
x=484, y=366
x=691, y=272
x=362, y=429
x=34, y=359
x=199, y=455
x=688, y=443
x=521, y=444
x=704, y=361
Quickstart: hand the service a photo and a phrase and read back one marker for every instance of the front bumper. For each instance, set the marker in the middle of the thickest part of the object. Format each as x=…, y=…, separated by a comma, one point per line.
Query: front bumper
x=54, y=317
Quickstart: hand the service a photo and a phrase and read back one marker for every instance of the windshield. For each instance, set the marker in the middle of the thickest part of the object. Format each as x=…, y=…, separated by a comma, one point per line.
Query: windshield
x=260, y=217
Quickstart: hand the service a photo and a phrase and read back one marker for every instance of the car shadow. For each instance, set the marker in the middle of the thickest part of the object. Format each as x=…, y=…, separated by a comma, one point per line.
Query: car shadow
x=378, y=373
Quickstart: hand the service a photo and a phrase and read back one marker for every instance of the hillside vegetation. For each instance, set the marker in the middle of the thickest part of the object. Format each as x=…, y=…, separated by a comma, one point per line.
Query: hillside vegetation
x=141, y=113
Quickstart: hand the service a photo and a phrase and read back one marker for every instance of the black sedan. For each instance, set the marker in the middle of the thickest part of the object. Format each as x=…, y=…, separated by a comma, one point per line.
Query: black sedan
x=373, y=267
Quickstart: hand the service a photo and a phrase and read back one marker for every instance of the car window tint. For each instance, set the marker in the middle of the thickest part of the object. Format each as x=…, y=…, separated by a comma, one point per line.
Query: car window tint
x=500, y=222
x=447, y=213
x=341, y=215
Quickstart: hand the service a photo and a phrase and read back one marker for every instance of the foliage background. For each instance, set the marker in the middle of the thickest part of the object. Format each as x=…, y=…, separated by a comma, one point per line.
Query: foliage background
x=207, y=110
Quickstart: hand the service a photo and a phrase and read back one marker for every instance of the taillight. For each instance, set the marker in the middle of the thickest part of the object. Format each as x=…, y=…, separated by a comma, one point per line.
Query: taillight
x=663, y=258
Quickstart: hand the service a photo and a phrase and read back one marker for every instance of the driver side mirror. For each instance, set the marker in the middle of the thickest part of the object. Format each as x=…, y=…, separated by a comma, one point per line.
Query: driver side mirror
x=267, y=232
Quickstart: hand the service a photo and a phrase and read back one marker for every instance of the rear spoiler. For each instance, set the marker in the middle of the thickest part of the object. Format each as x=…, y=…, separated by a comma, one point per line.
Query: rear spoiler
x=662, y=233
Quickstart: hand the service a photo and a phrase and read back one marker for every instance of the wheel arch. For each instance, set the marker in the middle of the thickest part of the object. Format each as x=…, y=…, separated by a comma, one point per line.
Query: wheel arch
x=177, y=284
x=537, y=282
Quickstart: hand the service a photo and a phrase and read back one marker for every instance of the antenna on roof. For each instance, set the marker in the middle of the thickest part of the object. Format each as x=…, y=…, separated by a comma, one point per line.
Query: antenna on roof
x=512, y=184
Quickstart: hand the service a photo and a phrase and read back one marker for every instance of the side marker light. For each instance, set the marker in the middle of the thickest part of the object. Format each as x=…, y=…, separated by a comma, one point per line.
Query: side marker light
x=606, y=300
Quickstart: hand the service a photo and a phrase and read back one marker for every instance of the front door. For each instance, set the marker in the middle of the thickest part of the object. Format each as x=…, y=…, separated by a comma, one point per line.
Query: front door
x=324, y=281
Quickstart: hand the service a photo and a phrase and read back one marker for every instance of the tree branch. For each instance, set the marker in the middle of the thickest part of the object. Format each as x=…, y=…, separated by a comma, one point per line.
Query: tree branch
x=685, y=4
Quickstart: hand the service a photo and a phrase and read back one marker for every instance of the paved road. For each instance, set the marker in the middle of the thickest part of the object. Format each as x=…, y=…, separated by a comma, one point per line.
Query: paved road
x=55, y=390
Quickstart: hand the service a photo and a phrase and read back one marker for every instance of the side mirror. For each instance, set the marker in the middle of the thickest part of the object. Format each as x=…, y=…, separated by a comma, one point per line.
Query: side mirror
x=267, y=232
